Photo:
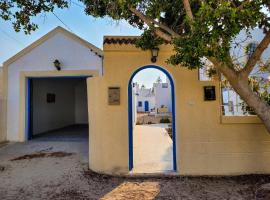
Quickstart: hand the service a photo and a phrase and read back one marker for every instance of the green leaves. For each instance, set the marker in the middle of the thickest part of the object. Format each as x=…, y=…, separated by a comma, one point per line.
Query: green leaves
x=149, y=40
x=216, y=22
x=21, y=12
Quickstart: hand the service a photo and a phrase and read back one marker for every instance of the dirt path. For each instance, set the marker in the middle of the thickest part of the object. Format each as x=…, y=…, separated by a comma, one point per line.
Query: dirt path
x=67, y=177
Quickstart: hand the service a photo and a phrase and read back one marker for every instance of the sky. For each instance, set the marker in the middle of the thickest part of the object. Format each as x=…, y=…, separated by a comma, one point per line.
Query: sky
x=149, y=76
x=75, y=20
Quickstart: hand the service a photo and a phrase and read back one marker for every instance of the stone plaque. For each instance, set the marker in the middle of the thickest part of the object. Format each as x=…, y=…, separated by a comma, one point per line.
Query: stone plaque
x=114, y=96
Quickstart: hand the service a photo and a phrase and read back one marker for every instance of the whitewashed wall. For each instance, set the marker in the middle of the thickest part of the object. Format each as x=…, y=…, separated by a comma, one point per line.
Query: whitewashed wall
x=163, y=95
x=50, y=116
x=71, y=54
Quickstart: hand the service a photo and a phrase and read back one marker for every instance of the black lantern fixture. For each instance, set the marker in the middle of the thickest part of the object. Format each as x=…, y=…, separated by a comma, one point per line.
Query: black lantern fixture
x=57, y=64
x=154, y=53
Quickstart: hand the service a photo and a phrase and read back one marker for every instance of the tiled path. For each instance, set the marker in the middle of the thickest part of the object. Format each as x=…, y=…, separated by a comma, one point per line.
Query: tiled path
x=152, y=149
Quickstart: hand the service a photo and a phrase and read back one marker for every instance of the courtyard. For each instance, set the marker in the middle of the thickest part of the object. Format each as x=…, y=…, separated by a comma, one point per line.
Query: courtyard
x=55, y=166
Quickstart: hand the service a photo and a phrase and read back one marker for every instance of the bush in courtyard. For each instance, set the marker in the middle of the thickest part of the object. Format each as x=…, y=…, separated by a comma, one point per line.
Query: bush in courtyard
x=165, y=120
x=169, y=131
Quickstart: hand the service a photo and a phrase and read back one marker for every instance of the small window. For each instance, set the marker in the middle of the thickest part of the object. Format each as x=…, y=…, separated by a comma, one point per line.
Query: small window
x=139, y=104
x=164, y=85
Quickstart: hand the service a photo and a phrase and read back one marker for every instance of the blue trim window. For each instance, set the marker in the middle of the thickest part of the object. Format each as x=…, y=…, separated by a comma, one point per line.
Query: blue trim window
x=139, y=104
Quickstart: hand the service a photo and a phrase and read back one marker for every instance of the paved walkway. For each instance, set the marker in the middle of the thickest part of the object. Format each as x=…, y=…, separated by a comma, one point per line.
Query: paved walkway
x=152, y=149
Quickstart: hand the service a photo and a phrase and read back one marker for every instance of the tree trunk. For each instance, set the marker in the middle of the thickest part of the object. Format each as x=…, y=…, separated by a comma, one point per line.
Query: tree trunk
x=262, y=109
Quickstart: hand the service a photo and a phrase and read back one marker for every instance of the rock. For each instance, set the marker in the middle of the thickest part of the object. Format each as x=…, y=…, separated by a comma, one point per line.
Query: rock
x=263, y=192
x=2, y=168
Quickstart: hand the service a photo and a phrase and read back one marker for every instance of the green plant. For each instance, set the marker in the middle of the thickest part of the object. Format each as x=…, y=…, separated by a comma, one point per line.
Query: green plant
x=165, y=120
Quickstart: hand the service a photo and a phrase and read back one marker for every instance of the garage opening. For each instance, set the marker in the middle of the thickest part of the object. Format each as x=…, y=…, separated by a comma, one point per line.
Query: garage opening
x=57, y=109
x=151, y=121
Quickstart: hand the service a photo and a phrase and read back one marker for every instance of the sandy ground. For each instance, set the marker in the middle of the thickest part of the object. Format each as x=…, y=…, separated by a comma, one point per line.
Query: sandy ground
x=152, y=149
x=53, y=175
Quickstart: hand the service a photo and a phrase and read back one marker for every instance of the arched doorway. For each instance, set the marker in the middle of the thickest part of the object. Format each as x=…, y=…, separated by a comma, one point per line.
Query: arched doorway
x=131, y=115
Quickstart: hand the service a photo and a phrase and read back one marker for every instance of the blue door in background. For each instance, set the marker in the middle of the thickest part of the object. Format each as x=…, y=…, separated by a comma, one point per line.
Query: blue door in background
x=146, y=106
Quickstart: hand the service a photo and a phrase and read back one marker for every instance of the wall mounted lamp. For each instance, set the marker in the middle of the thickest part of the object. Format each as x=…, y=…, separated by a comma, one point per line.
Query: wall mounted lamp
x=154, y=53
x=57, y=64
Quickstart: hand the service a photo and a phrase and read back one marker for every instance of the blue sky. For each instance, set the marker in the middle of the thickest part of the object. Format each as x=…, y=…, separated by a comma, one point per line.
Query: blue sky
x=87, y=27
x=148, y=76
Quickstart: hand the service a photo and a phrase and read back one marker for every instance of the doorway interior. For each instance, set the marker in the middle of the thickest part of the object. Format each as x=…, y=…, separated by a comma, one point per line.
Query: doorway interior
x=152, y=147
x=57, y=109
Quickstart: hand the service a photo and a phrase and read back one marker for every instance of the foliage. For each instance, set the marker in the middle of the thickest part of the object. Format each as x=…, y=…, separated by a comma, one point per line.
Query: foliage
x=165, y=120
x=169, y=131
x=215, y=24
x=21, y=12
x=147, y=36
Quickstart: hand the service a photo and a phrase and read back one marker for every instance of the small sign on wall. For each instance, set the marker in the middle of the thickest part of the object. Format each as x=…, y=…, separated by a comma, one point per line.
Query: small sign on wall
x=209, y=93
x=114, y=96
x=50, y=98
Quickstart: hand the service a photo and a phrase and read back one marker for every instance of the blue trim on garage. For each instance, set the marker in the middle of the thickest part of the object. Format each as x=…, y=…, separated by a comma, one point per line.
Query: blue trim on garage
x=28, y=106
x=130, y=114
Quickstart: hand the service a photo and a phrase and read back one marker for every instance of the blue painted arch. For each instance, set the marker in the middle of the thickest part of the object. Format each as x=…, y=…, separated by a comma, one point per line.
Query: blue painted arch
x=130, y=113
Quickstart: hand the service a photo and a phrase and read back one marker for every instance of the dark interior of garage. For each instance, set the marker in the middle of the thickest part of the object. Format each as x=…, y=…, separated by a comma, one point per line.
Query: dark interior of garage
x=58, y=108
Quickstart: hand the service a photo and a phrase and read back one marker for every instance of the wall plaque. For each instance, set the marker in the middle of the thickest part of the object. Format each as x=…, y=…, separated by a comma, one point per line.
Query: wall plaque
x=114, y=95
x=209, y=93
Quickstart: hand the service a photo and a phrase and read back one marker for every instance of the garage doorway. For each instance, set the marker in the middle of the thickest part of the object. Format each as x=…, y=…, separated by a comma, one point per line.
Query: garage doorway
x=57, y=109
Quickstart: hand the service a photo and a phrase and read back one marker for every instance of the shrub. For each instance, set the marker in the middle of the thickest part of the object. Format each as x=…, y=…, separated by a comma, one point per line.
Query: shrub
x=165, y=120
x=169, y=131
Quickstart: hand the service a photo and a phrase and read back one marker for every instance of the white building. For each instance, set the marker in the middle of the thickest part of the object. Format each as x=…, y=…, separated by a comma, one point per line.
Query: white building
x=155, y=98
x=46, y=84
x=163, y=95
x=233, y=104
x=146, y=101
x=242, y=48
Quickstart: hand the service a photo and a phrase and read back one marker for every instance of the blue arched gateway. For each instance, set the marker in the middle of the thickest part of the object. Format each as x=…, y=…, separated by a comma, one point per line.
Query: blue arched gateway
x=130, y=113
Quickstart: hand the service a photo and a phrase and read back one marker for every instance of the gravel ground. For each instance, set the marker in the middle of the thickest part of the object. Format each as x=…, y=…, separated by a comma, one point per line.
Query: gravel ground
x=59, y=170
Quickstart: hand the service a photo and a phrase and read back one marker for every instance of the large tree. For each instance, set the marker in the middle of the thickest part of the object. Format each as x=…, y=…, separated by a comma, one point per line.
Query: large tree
x=199, y=30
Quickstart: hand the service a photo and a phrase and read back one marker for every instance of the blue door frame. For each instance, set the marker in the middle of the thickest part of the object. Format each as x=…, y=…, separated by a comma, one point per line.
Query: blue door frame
x=29, y=106
x=146, y=106
x=130, y=115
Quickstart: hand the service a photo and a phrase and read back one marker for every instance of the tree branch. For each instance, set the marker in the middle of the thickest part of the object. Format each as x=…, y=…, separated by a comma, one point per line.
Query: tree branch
x=243, y=4
x=256, y=55
x=228, y=72
x=166, y=36
x=188, y=9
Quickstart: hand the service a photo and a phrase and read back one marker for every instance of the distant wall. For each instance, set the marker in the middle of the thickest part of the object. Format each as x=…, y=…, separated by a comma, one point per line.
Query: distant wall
x=163, y=97
x=81, y=112
x=49, y=116
x=70, y=105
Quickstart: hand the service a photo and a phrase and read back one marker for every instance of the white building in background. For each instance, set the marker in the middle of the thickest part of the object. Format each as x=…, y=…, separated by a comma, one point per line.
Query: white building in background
x=156, y=99
x=232, y=104
x=163, y=95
